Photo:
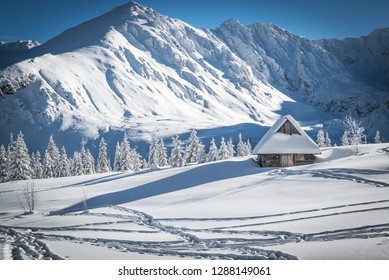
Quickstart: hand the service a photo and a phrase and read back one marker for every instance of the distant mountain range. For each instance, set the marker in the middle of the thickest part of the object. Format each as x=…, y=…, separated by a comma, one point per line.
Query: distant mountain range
x=136, y=70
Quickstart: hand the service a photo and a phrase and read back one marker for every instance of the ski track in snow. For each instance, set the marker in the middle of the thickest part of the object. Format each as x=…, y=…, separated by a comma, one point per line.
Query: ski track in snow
x=19, y=245
x=337, y=173
x=190, y=245
x=28, y=243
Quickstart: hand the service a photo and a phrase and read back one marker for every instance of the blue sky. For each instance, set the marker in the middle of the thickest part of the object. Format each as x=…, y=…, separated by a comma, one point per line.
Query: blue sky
x=44, y=19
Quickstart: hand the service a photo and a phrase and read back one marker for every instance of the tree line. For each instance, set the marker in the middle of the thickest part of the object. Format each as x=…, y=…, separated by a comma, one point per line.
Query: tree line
x=17, y=164
x=354, y=135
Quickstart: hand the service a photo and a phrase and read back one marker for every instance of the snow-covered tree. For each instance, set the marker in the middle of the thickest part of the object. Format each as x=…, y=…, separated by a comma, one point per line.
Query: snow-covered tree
x=327, y=142
x=89, y=167
x=77, y=167
x=153, y=151
x=344, y=139
x=223, y=150
x=194, y=150
x=3, y=164
x=144, y=164
x=64, y=164
x=377, y=137
x=177, y=153
x=248, y=148
x=20, y=166
x=102, y=161
x=241, y=147
x=117, y=163
x=11, y=146
x=51, y=165
x=355, y=132
x=10, y=150
x=162, y=159
x=202, y=153
x=230, y=147
x=126, y=155
x=36, y=165
x=213, y=152
x=136, y=160
x=320, y=138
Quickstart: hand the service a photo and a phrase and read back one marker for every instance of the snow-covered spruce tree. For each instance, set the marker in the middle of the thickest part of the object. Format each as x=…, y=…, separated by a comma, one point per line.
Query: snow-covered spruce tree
x=241, y=147
x=102, y=161
x=11, y=146
x=162, y=154
x=248, y=148
x=10, y=150
x=89, y=167
x=327, y=142
x=20, y=167
x=230, y=147
x=153, y=159
x=355, y=132
x=145, y=164
x=3, y=164
x=83, y=159
x=76, y=167
x=136, y=160
x=223, y=150
x=320, y=138
x=51, y=165
x=117, y=163
x=126, y=155
x=193, y=151
x=177, y=153
x=36, y=165
x=344, y=139
x=377, y=137
x=213, y=152
x=64, y=163
x=202, y=153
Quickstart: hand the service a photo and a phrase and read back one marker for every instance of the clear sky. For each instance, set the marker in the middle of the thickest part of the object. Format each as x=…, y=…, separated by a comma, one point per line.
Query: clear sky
x=43, y=19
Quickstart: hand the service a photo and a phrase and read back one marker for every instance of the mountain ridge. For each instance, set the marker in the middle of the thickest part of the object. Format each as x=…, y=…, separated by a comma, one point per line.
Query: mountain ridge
x=136, y=70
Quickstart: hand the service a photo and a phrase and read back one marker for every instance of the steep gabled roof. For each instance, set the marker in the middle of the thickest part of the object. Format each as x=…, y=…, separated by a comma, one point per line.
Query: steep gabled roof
x=277, y=141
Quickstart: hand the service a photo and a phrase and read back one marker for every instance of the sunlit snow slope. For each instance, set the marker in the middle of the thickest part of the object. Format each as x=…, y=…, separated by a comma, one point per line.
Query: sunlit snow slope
x=136, y=70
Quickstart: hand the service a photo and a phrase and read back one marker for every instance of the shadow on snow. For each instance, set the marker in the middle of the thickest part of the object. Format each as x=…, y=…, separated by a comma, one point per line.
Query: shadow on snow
x=199, y=175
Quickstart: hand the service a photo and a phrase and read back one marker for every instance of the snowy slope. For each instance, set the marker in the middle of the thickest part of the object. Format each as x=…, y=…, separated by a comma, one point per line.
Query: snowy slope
x=136, y=70
x=336, y=208
x=340, y=76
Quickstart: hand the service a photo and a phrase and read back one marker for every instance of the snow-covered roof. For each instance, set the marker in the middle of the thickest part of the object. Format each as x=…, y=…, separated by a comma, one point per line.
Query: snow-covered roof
x=275, y=142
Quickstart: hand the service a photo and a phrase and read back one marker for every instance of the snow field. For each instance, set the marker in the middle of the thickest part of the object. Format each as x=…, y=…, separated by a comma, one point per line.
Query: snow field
x=337, y=208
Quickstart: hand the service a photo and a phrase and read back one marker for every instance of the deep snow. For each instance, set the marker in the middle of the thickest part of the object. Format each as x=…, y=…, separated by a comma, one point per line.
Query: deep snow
x=337, y=208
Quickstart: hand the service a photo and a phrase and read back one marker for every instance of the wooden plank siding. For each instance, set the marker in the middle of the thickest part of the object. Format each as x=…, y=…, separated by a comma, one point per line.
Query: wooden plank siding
x=284, y=160
x=288, y=128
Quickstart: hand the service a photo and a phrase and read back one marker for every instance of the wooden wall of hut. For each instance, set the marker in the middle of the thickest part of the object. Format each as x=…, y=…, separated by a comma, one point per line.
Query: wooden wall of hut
x=284, y=160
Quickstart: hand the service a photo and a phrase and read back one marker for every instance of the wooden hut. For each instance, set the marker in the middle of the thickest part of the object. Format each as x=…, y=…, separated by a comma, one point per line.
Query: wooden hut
x=285, y=144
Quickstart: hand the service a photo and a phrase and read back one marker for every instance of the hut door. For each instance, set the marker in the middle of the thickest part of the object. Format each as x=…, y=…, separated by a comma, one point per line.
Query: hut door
x=286, y=160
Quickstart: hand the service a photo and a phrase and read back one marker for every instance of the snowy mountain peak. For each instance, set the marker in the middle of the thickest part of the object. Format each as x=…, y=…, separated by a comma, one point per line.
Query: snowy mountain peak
x=133, y=69
x=18, y=45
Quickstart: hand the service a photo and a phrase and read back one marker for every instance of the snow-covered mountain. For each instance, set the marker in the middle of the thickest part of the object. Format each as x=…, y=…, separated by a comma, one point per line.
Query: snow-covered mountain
x=18, y=45
x=338, y=76
x=134, y=69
